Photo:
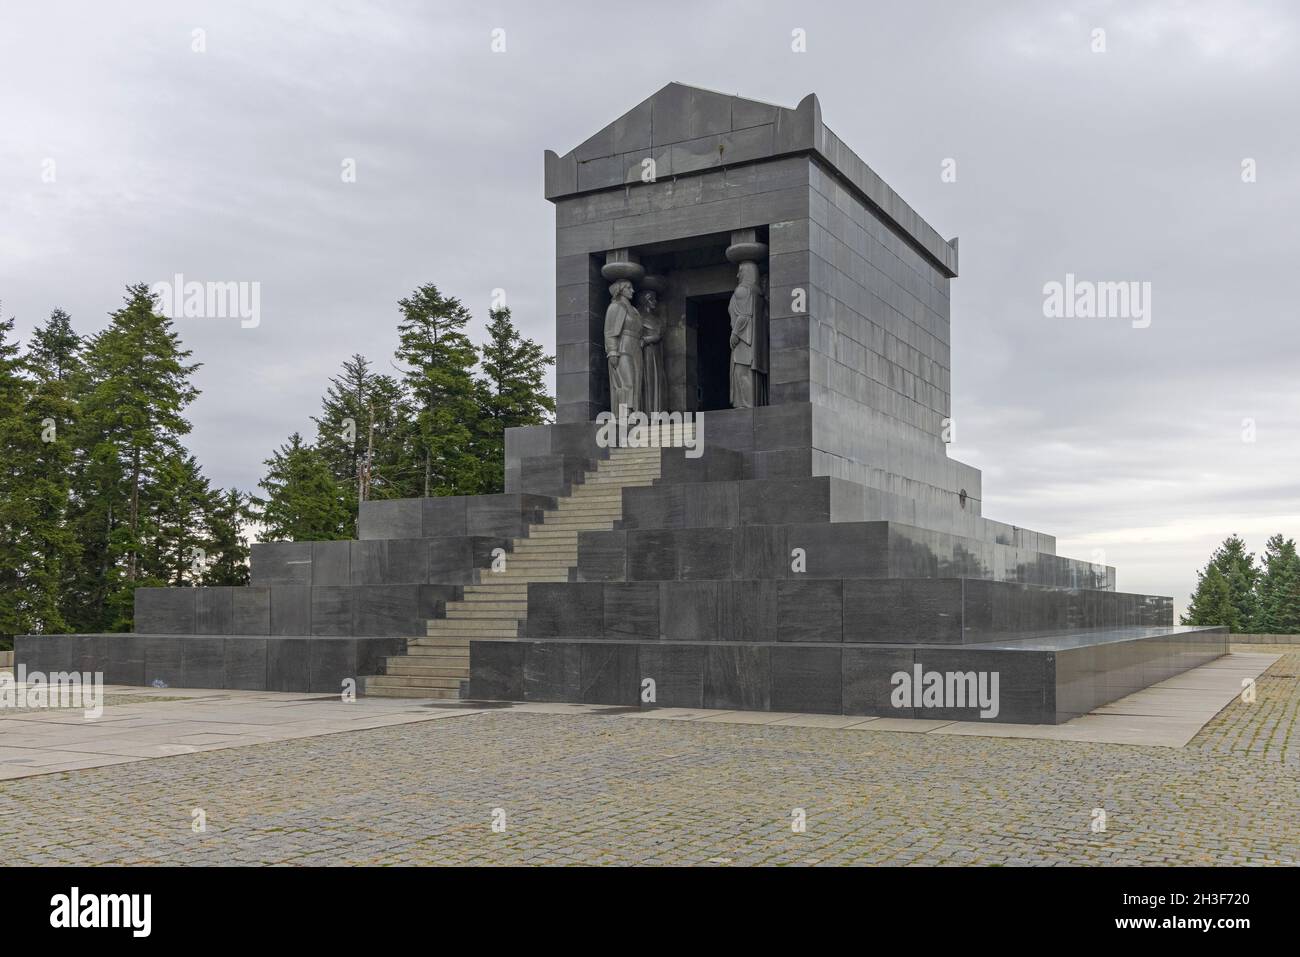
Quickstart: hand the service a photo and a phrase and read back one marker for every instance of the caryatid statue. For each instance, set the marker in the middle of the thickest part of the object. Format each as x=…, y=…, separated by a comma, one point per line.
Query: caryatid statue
x=748, y=311
x=623, y=338
x=654, y=389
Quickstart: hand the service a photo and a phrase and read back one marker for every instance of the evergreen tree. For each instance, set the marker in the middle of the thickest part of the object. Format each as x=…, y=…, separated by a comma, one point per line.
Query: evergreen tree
x=176, y=526
x=137, y=387
x=440, y=360
x=35, y=541
x=55, y=350
x=303, y=502
x=226, y=518
x=366, y=436
x=1239, y=572
x=512, y=393
x=1212, y=601
x=1279, y=588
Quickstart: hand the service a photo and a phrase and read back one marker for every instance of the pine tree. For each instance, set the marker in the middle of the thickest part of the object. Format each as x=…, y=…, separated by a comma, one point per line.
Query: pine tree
x=303, y=502
x=440, y=379
x=365, y=434
x=55, y=349
x=35, y=542
x=1279, y=588
x=1212, y=601
x=512, y=393
x=175, y=529
x=1237, y=568
x=138, y=385
x=226, y=518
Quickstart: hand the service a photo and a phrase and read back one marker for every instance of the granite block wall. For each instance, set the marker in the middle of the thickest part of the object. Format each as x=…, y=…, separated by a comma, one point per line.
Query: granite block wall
x=298, y=663
x=292, y=610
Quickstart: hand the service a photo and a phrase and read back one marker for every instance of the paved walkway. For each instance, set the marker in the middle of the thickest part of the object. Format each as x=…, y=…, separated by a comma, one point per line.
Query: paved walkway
x=600, y=788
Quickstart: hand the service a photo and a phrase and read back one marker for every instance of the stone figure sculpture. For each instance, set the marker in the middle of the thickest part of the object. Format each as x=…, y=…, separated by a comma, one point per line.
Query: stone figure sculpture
x=654, y=391
x=748, y=339
x=623, y=349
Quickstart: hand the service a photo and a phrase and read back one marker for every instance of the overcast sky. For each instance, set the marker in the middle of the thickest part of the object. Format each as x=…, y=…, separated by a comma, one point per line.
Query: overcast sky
x=1118, y=165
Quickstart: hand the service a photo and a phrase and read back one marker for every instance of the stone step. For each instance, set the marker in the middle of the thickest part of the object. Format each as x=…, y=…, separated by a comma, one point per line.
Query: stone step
x=468, y=627
x=488, y=605
x=450, y=644
x=408, y=668
x=523, y=578
x=478, y=633
x=456, y=663
x=415, y=649
x=375, y=690
x=571, y=521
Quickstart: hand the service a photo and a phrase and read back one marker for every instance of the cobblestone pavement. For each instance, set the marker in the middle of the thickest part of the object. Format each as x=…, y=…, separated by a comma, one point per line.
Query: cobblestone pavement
x=603, y=789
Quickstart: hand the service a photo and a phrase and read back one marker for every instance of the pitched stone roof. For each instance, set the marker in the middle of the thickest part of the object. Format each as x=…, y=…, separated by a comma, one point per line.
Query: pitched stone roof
x=687, y=130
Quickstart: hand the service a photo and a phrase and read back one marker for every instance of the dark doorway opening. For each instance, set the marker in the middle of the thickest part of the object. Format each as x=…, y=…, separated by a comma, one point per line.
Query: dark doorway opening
x=712, y=352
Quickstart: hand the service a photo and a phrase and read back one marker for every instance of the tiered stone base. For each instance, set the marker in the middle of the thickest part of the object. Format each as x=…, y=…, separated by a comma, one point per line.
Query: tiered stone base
x=1044, y=680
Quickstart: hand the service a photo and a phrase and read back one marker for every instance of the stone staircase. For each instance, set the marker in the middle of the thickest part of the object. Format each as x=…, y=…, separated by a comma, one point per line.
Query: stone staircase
x=435, y=666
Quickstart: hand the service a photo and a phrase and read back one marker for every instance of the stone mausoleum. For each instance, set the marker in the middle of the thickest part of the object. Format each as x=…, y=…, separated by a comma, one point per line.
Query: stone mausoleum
x=802, y=543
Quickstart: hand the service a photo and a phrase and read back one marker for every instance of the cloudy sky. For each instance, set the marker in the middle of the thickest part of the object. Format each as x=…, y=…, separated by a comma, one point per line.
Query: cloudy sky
x=1127, y=164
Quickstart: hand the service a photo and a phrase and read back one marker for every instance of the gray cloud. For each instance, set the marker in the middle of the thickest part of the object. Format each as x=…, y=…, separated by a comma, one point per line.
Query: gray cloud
x=225, y=165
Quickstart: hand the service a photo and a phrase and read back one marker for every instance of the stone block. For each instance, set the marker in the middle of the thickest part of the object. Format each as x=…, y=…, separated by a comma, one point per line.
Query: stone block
x=331, y=610
x=252, y=610
x=203, y=662
x=214, y=610
x=602, y=556
x=443, y=516
x=867, y=680
x=737, y=677
x=162, y=660
x=748, y=611
x=609, y=673
x=281, y=563
x=806, y=680
x=331, y=661
x=125, y=660
x=164, y=611
x=903, y=610
x=390, y=562
x=632, y=610
x=810, y=610
x=245, y=663
x=690, y=611
x=288, y=664
x=496, y=670
x=552, y=671
x=290, y=610
x=677, y=672
x=391, y=609
x=392, y=518
x=566, y=610
x=331, y=563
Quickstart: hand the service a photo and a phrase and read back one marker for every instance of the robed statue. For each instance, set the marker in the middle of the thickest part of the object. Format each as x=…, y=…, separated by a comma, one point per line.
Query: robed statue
x=623, y=349
x=748, y=311
x=654, y=390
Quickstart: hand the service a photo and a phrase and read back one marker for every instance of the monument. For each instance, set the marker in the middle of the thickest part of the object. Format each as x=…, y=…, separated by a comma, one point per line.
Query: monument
x=802, y=542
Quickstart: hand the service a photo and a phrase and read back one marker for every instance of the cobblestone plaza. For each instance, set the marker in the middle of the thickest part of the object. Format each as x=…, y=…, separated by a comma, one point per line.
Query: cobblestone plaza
x=605, y=788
